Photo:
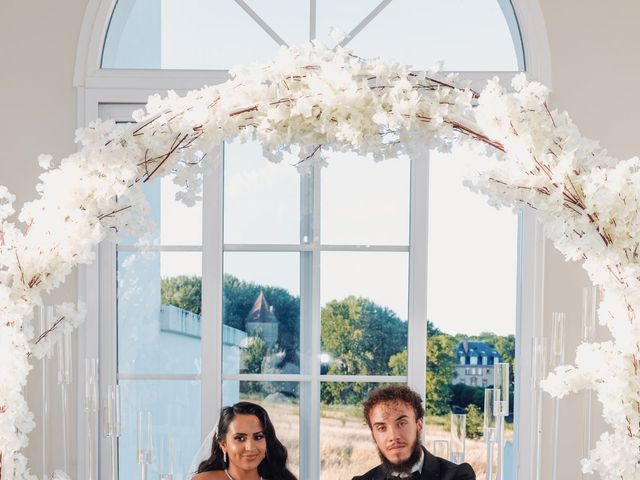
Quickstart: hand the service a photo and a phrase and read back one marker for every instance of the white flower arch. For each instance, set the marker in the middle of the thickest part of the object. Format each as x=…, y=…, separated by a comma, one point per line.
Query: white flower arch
x=315, y=99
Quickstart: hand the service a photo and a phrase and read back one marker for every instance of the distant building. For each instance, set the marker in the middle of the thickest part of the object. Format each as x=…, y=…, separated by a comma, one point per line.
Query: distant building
x=475, y=363
x=262, y=319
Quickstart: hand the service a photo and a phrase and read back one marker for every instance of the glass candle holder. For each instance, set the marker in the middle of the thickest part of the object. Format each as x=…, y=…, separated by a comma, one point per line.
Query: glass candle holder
x=458, y=436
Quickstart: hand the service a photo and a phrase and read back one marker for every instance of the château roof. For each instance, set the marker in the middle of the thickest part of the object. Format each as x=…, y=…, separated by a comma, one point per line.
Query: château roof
x=476, y=349
x=261, y=312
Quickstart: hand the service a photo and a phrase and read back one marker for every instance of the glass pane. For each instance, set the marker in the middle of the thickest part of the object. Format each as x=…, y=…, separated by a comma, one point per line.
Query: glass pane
x=346, y=447
x=261, y=312
x=159, y=312
x=364, y=311
x=365, y=202
x=175, y=415
x=261, y=198
x=468, y=35
x=174, y=223
x=281, y=400
x=179, y=34
x=343, y=15
x=133, y=37
x=472, y=35
x=278, y=14
x=472, y=320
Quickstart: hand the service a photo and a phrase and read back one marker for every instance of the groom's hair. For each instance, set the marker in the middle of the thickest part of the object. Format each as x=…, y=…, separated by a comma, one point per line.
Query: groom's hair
x=392, y=394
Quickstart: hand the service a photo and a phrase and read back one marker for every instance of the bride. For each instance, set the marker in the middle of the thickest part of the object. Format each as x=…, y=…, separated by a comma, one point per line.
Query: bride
x=245, y=447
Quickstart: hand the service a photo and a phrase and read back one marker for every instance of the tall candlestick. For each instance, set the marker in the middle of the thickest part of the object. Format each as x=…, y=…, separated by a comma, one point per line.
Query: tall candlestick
x=489, y=428
x=64, y=379
x=501, y=410
x=90, y=409
x=538, y=372
x=112, y=425
x=589, y=315
x=556, y=359
x=145, y=442
x=458, y=436
x=43, y=318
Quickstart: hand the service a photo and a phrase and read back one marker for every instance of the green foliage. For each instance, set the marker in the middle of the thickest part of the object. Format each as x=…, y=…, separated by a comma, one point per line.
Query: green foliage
x=253, y=355
x=361, y=337
x=398, y=363
x=182, y=291
x=506, y=346
x=475, y=421
x=464, y=395
x=441, y=362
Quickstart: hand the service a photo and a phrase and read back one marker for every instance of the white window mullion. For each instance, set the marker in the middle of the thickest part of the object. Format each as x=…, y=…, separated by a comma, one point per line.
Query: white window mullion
x=309, y=393
x=212, y=293
x=312, y=19
x=529, y=324
x=108, y=333
x=419, y=224
x=314, y=412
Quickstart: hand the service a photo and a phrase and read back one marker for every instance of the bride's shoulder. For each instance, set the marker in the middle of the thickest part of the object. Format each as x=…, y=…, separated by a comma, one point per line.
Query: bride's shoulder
x=215, y=475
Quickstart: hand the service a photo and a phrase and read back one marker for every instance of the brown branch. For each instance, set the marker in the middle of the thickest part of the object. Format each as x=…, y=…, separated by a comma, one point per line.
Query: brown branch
x=20, y=268
x=147, y=123
x=315, y=150
x=244, y=110
x=176, y=143
x=44, y=334
x=35, y=280
x=113, y=212
x=478, y=136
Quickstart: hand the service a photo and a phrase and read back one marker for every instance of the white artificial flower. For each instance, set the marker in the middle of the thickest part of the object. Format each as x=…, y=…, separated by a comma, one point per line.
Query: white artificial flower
x=45, y=161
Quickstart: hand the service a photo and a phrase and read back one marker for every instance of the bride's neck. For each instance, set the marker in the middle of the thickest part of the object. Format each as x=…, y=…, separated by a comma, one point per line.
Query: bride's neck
x=239, y=474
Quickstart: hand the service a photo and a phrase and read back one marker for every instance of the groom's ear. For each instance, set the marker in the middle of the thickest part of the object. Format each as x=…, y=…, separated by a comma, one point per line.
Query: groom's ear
x=420, y=423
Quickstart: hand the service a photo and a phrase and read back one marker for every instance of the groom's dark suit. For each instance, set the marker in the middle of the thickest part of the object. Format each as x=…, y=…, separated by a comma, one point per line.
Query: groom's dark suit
x=433, y=468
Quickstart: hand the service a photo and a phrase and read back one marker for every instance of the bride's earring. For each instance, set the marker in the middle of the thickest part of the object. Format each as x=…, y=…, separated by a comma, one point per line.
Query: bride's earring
x=224, y=456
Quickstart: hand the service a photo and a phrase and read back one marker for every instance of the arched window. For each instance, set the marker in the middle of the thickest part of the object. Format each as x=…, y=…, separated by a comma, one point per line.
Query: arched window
x=301, y=291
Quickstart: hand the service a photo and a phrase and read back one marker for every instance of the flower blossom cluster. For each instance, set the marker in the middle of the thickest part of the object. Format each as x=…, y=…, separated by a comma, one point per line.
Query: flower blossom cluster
x=308, y=101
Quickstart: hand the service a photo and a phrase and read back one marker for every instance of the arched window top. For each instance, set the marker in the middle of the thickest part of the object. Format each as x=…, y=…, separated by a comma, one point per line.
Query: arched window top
x=468, y=35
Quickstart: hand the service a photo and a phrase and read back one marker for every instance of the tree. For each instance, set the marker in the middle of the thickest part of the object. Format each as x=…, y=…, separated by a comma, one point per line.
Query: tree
x=506, y=346
x=182, y=291
x=361, y=337
x=253, y=355
x=464, y=395
x=441, y=361
x=475, y=422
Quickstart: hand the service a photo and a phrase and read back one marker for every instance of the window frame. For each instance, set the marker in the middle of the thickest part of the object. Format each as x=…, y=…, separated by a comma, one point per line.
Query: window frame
x=116, y=90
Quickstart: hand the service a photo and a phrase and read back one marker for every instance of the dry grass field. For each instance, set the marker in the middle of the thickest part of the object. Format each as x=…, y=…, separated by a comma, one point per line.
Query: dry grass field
x=346, y=445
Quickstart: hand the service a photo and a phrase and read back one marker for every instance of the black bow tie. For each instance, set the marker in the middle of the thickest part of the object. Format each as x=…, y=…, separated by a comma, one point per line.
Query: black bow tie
x=414, y=476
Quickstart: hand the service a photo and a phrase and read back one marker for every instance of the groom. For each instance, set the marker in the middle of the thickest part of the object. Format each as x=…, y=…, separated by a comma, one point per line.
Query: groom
x=394, y=415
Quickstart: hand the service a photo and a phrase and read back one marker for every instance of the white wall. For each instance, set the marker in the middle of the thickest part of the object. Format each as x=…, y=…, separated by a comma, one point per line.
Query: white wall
x=595, y=68
x=37, y=56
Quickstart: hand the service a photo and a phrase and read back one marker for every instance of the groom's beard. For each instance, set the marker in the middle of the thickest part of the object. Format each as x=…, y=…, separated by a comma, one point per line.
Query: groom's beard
x=404, y=466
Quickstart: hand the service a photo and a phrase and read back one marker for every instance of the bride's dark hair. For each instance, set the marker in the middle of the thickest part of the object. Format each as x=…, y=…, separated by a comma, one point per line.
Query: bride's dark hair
x=273, y=466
